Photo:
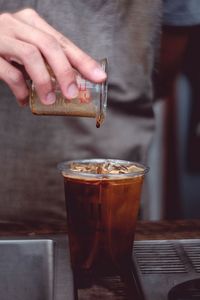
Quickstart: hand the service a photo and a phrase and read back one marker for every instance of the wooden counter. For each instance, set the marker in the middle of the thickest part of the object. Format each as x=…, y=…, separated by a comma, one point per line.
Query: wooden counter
x=144, y=230
x=182, y=229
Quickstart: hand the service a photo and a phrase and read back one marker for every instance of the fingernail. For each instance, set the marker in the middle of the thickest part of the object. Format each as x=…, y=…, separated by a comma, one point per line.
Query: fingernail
x=99, y=74
x=50, y=98
x=72, y=91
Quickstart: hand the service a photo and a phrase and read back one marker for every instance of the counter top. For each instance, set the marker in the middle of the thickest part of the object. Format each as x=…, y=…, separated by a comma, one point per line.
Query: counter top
x=145, y=230
x=180, y=229
x=102, y=288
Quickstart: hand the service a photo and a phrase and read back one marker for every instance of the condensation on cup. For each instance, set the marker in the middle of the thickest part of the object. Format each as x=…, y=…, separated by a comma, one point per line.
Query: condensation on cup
x=91, y=101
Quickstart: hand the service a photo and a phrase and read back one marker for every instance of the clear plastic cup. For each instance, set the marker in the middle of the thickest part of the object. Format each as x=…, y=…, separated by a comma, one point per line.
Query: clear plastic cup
x=91, y=101
x=102, y=207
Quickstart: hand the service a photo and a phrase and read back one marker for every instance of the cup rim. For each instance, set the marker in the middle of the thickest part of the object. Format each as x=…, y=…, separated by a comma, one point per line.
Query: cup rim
x=64, y=168
x=101, y=112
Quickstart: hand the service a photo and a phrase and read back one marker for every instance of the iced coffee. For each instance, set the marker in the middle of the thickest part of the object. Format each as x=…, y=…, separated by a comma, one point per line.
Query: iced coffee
x=102, y=200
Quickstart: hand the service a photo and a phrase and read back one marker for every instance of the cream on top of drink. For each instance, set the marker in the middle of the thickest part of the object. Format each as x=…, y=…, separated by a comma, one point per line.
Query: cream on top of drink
x=107, y=167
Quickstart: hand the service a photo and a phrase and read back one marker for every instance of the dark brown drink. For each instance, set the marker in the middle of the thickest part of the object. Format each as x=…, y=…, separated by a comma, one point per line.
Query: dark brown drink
x=102, y=206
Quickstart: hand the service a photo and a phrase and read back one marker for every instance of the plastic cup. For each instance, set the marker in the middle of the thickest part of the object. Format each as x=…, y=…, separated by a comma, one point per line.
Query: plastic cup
x=102, y=211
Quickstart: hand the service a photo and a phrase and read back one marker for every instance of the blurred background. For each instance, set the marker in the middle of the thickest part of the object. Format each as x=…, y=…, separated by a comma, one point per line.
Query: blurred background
x=173, y=189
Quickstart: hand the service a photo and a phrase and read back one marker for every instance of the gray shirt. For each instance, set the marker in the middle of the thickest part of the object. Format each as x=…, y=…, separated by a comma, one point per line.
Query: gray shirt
x=126, y=32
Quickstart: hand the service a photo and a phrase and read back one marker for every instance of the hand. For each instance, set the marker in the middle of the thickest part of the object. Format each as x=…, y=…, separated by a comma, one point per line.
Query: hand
x=29, y=40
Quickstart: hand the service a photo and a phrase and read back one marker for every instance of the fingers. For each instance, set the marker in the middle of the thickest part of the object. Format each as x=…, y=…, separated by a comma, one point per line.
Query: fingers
x=15, y=81
x=33, y=42
x=34, y=65
x=51, y=49
x=87, y=66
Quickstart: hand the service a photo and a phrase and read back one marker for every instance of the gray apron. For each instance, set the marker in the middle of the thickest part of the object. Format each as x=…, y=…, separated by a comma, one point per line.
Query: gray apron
x=124, y=31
